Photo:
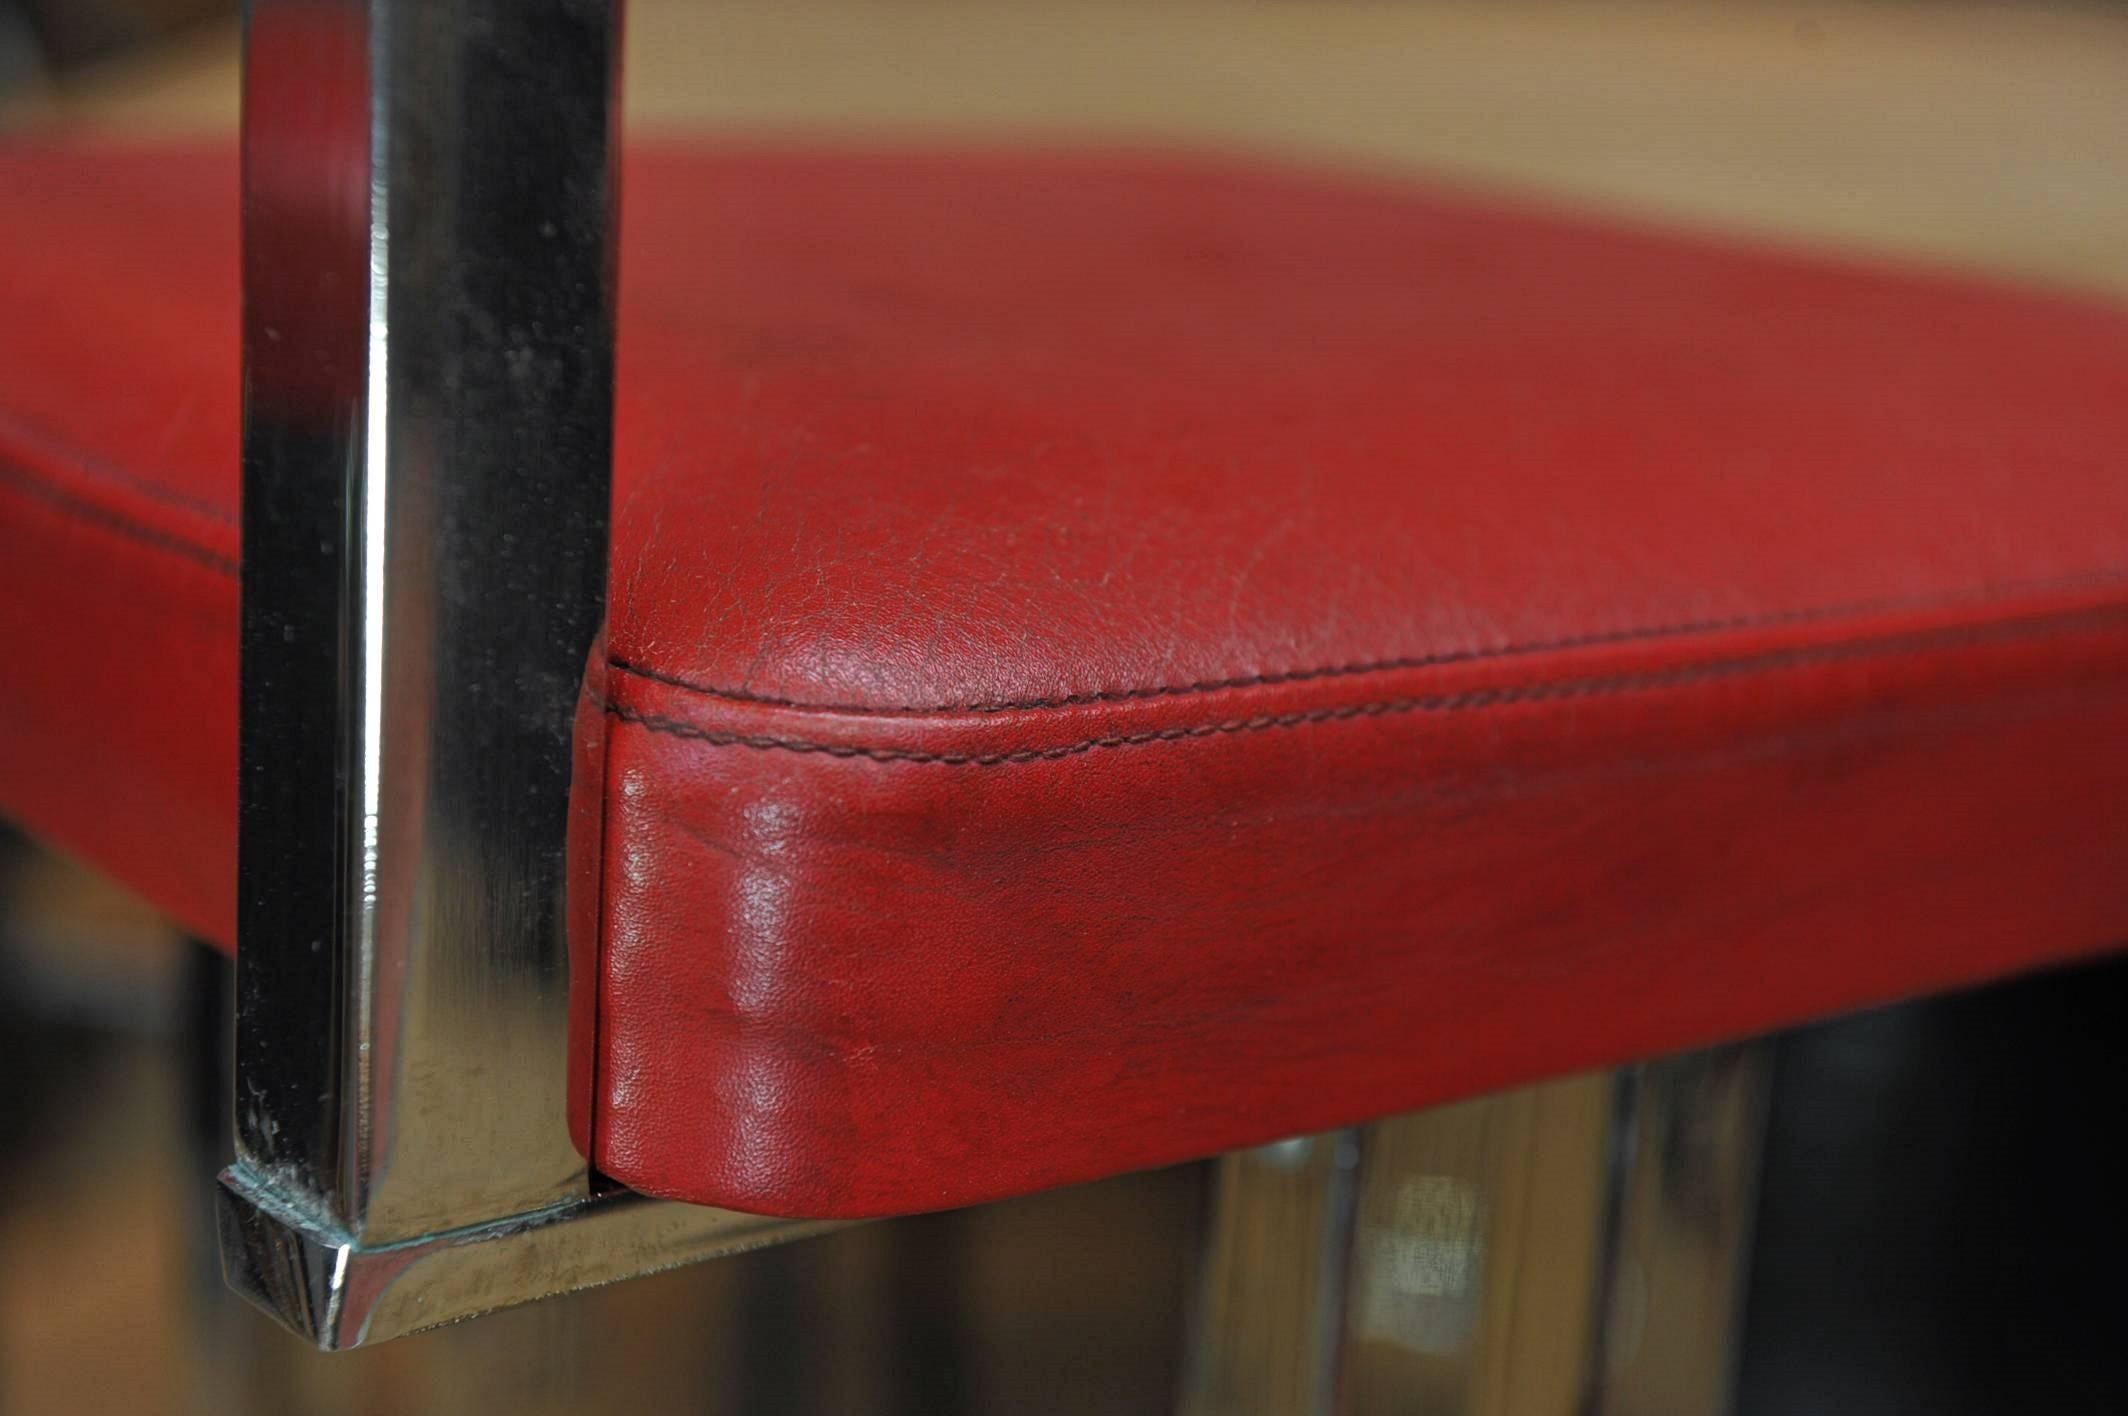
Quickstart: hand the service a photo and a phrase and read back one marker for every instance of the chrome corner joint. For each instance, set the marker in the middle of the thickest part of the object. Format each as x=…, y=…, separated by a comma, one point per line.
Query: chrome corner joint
x=429, y=205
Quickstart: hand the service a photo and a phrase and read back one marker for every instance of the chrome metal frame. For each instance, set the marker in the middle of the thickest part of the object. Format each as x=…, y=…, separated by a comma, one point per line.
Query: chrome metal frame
x=429, y=205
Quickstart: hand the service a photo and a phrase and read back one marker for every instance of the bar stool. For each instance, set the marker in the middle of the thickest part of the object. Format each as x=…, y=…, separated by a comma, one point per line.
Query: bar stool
x=1036, y=666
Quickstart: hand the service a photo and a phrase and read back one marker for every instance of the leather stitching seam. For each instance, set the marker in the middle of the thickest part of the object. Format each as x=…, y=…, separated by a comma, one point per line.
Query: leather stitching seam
x=1595, y=640
x=27, y=436
x=1471, y=701
x=120, y=524
x=116, y=522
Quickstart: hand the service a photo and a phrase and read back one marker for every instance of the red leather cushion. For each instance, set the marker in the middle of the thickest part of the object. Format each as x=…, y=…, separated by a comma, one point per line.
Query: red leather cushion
x=1115, y=658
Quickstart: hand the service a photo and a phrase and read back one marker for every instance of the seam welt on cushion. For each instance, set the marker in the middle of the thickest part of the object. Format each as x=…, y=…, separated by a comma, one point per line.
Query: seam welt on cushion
x=1472, y=701
x=1595, y=640
x=104, y=518
x=21, y=434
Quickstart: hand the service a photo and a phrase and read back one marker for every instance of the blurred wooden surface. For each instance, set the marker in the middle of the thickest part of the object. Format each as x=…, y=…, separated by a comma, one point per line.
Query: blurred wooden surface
x=1980, y=136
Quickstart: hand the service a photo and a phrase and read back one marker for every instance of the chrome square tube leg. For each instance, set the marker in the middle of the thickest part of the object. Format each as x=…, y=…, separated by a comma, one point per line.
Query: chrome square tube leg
x=429, y=205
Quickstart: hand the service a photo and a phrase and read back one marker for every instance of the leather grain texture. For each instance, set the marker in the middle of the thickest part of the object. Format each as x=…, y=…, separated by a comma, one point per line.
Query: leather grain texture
x=1118, y=657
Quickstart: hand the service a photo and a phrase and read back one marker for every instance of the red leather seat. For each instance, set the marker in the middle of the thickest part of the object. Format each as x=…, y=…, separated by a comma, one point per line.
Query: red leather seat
x=1113, y=658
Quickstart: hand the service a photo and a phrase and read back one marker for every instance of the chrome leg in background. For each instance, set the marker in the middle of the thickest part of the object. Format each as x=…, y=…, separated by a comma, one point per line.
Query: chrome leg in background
x=1271, y=1299
x=1570, y=1249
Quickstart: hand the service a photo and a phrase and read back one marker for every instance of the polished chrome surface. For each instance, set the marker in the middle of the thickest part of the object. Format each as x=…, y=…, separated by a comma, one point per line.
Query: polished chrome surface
x=428, y=404
x=340, y=1293
x=1270, y=1301
x=428, y=198
x=1689, y=1131
x=1568, y=1249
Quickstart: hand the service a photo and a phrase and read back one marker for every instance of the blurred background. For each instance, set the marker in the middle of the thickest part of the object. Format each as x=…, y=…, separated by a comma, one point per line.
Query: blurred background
x=1988, y=136
x=1939, y=1228
x=50, y=39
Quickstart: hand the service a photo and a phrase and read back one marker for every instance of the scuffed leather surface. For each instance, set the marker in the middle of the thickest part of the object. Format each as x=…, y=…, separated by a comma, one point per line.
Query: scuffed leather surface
x=1114, y=658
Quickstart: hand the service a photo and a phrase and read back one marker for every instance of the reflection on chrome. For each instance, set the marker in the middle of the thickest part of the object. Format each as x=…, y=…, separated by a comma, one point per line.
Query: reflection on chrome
x=428, y=337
